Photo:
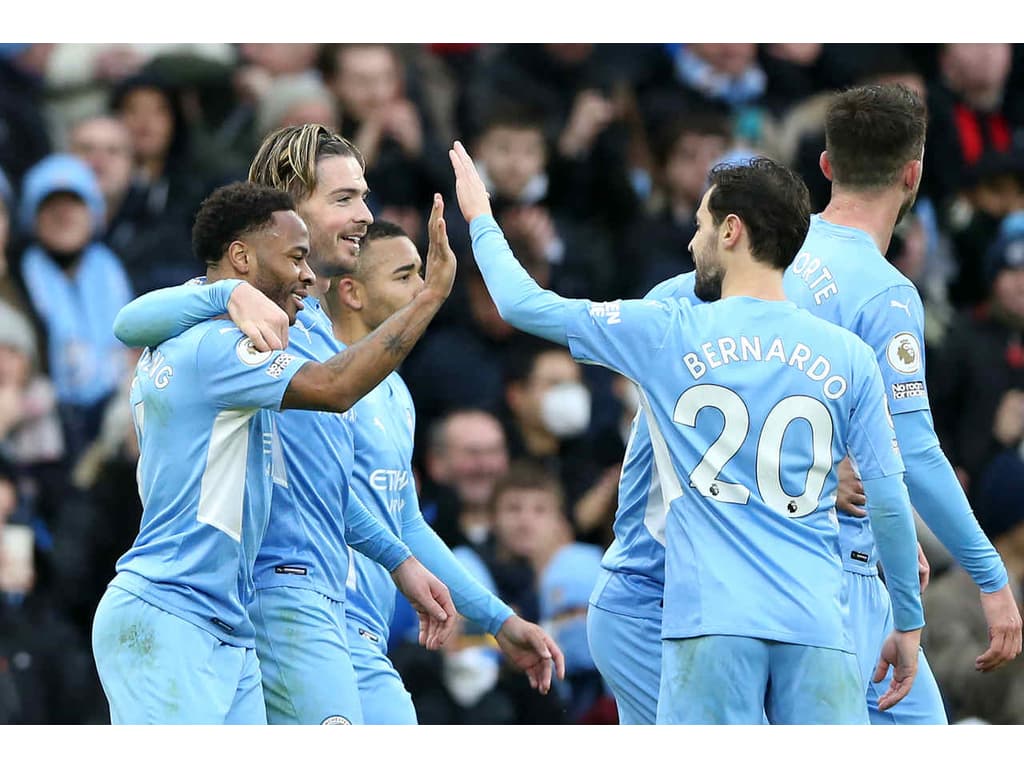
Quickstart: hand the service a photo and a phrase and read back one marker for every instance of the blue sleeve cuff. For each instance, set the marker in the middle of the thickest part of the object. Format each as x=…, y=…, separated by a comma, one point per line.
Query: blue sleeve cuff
x=471, y=599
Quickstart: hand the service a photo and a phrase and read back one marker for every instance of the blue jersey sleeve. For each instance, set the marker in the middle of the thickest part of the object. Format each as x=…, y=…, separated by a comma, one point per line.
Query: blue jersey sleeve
x=940, y=501
x=893, y=524
x=622, y=335
x=519, y=300
x=678, y=287
x=872, y=440
x=892, y=324
x=159, y=315
x=368, y=536
x=471, y=598
x=236, y=375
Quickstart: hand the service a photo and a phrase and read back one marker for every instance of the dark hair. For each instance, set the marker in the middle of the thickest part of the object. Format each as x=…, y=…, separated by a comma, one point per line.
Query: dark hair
x=514, y=115
x=288, y=157
x=770, y=199
x=527, y=475
x=328, y=59
x=705, y=123
x=230, y=213
x=383, y=230
x=521, y=357
x=871, y=132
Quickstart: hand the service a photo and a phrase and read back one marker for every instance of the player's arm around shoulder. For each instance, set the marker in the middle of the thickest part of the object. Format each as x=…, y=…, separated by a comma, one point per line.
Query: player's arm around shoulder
x=235, y=374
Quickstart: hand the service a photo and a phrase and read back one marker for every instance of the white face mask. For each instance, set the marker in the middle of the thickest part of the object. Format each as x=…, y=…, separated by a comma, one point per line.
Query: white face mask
x=565, y=409
x=470, y=673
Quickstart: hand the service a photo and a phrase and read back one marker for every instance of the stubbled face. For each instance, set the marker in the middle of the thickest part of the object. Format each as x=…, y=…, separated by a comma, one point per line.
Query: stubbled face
x=147, y=114
x=526, y=520
x=704, y=249
x=282, y=270
x=63, y=223
x=106, y=146
x=511, y=156
x=368, y=79
x=475, y=456
x=390, y=277
x=337, y=215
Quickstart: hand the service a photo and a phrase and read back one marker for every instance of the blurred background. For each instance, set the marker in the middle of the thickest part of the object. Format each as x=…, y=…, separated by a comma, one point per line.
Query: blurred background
x=596, y=157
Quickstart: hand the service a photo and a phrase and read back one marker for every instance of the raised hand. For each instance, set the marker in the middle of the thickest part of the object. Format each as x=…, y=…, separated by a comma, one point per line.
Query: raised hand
x=469, y=187
x=441, y=264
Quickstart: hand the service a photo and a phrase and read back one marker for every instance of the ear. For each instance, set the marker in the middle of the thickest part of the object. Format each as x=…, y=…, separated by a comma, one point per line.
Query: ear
x=514, y=395
x=912, y=174
x=731, y=230
x=825, y=164
x=240, y=257
x=350, y=293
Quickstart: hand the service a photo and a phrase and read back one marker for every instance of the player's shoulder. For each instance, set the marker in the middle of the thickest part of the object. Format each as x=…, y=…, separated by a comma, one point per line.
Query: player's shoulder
x=679, y=287
x=835, y=336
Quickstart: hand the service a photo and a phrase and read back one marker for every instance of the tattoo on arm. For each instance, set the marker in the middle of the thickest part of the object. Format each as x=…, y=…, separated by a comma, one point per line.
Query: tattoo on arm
x=396, y=344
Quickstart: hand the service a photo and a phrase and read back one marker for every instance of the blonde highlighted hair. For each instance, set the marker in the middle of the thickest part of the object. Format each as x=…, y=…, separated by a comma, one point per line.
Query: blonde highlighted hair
x=288, y=157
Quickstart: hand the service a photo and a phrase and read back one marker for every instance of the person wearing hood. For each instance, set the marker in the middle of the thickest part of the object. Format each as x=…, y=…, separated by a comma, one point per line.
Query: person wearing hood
x=75, y=285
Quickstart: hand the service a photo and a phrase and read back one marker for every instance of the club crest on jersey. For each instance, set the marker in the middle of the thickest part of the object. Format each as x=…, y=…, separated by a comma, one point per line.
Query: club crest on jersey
x=904, y=353
x=336, y=720
x=248, y=353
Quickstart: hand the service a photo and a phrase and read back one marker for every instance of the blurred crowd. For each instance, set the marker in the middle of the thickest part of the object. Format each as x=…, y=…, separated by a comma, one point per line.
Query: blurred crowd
x=596, y=158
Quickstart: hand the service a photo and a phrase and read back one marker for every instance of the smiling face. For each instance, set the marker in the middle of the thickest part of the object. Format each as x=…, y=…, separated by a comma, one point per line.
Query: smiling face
x=282, y=270
x=337, y=215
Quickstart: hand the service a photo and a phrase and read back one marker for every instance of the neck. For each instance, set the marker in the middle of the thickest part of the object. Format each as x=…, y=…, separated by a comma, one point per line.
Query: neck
x=874, y=213
x=754, y=279
x=348, y=326
x=539, y=442
x=222, y=271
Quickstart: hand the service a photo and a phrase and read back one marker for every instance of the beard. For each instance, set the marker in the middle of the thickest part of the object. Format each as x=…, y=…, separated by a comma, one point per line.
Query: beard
x=708, y=285
x=907, y=205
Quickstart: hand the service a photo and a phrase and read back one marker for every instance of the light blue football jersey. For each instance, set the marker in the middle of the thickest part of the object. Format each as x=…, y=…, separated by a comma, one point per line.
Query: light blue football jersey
x=635, y=560
x=208, y=452
x=383, y=424
x=305, y=541
x=750, y=405
x=841, y=276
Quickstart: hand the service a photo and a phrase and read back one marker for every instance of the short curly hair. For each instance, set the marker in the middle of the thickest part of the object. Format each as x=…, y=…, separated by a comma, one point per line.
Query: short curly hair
x=230, y=213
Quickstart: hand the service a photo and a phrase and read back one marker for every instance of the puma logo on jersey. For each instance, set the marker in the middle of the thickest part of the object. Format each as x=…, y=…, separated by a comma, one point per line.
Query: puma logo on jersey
x=899, y=305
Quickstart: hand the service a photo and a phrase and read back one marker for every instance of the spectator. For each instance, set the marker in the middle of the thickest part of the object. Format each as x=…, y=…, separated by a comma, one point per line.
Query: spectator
x=76, y=286
x=154, y=236
x=978, y=382
x=24, y=138
x=955, y=618
x=466, y=455
x=46, y=670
